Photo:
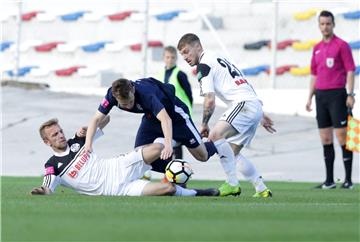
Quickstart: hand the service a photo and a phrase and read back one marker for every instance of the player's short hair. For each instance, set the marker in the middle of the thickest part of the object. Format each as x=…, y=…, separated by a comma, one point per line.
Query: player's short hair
x=188, y=39
x=49, y=123
x=170, y=49
x=121, y=88
x=326, y=13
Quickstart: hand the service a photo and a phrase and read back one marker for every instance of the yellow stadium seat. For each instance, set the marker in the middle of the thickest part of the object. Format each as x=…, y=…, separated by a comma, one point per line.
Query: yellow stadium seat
x=306, y=45
x=300, y=16
x=300, y=71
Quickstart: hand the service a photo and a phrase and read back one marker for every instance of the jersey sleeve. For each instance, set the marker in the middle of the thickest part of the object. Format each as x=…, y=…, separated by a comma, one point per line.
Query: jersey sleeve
x=107, y=103
x=205, y=78
x=313, y=65
x=347, y=58
x=50, y=179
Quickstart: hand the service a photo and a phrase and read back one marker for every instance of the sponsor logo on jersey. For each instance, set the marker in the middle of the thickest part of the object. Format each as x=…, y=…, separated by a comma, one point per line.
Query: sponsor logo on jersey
x=240, y=81
x=104, y=103
x=60, y=164
x=192, y=141
x=75, y=147
x=138, y=106
x=74, y=171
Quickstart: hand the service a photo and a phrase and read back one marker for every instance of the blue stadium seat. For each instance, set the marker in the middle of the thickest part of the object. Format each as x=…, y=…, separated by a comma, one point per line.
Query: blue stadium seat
x=169, y=15
x=22, y=71
x=72, y=16
x=352, y=15
x=4, y=45
x=357, y=70
x=253, y=71
x=355, y=45
x=95, y=46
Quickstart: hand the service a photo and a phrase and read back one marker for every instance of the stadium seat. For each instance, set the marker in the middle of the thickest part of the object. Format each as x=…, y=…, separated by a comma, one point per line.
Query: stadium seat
x=284, y=44
x=46, y=17
x=151, y=43
x=5, y=45
x=256, y=45
x=306, y=45
x=92, y=17
x=357, y=70
x=95, y=46
x=282, y=69
x=300, y=71
x=168, y=16
x=254, y=71
x=68, y=71
x=26, y=45
x=352, y=15
x=72, y=16
x=119, y=16
x=355, y=45
x=48, y=46
x=29, y=16
x=301, y=16
x=22, y=71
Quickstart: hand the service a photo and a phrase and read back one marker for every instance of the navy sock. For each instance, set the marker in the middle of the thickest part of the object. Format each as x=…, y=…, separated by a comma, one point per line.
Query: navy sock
x=210, y=148
x=347, y=158
x=329, y=157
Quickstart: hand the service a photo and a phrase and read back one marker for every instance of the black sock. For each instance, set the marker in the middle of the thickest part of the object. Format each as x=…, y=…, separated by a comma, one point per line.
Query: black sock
x=210, y=147
x=347, y=158
x=178, y=154
x=329, y=157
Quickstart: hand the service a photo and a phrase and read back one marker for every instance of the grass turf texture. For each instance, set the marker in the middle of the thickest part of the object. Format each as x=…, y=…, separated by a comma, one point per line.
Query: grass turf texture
x=295, y=213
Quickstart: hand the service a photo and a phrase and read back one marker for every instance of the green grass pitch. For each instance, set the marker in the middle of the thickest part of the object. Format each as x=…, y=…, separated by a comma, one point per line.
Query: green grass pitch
x=295, y=213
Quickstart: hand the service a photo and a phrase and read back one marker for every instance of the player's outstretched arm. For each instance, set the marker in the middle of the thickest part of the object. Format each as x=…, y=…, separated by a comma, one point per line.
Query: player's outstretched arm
x=268, y=124
x=94, y=123
x=41, y=191
x=166, y=126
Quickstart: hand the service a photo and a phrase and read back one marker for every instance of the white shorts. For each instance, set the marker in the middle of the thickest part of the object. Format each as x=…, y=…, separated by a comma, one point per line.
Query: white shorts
x=245, y=117
x=130, y=168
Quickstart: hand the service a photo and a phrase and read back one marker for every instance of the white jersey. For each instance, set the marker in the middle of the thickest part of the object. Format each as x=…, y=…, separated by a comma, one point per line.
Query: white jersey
x=216, y=74
x=86, y=174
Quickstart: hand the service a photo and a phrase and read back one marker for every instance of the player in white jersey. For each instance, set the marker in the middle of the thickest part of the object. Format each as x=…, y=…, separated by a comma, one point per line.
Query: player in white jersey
x=219, y=77
x=73, y=167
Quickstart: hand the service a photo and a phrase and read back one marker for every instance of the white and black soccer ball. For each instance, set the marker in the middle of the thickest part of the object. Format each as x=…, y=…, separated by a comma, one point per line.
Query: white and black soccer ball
x=178, y=171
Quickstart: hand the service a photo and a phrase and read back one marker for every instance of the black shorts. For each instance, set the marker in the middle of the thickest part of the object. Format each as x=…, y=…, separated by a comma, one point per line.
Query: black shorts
x=331, y=110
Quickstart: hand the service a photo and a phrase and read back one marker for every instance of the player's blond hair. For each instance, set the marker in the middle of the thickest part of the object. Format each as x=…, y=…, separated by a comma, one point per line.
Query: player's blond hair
x=188, y=39
x=49, y=123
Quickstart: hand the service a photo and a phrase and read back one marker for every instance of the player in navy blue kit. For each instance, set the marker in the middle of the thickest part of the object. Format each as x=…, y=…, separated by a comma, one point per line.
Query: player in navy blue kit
x=164, y=116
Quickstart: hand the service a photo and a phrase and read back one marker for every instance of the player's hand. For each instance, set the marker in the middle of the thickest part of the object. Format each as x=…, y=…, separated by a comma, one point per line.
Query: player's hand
x=81, y=132
x=204, y=130
x=350, y=101
x=308, y=106
x=166, y=152
x=87, y=148
x=40, y=191
x=268, y=124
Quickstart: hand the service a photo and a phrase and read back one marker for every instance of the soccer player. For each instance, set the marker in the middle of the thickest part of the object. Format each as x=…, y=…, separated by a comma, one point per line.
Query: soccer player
x=74, y=167
x=164, y=116
x=173, y=75
x=332, y=66
x=217, y=76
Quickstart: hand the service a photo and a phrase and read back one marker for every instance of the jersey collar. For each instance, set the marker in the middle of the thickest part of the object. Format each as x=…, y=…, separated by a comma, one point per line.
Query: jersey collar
x=61, y=154
x=201, y=56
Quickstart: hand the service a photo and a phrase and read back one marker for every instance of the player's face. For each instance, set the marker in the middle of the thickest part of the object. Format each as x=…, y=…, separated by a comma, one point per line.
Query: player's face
x=169, y=59
x=326, y=26
x=191, y=53
x=127, y=103
x=55, y=138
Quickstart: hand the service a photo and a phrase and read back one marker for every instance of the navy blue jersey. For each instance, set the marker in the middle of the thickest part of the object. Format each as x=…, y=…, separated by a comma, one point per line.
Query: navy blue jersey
x=151, y=96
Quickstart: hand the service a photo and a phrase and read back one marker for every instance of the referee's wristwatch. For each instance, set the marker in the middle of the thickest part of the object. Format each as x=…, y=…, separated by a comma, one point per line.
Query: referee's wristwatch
x=351, y=94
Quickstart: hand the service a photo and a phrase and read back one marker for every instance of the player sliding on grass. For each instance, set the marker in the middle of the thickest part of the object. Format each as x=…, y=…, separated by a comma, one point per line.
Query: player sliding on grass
x=74, y=167
x=165, y=115
x=217, y=76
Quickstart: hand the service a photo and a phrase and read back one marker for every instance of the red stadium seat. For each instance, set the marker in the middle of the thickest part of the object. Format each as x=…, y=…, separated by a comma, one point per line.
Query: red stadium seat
x=29, y=16
x=68, y=71
x=151, y=43
x=48, y=46
x=120, y=16
x=284, y=44
x=282, y=69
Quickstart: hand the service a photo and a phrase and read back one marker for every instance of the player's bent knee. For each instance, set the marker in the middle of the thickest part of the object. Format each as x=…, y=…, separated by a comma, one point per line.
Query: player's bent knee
x=169, y=189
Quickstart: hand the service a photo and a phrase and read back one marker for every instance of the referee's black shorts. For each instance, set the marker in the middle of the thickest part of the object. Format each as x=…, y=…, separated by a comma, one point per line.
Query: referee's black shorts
x=331, y=110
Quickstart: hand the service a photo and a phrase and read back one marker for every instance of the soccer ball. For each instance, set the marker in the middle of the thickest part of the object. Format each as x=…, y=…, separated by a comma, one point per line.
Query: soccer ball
x=178, y=171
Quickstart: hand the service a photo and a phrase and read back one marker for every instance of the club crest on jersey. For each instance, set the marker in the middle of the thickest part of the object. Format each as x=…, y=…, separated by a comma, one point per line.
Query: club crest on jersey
x=330, y=62
x=75, y=147
x=105, y=103
x=138, y=106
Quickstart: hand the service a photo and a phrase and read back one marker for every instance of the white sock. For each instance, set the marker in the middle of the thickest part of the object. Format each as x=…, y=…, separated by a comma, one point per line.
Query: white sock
x=184, y=192
x=227, y=160
x=161, y=140
x=250, y=173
